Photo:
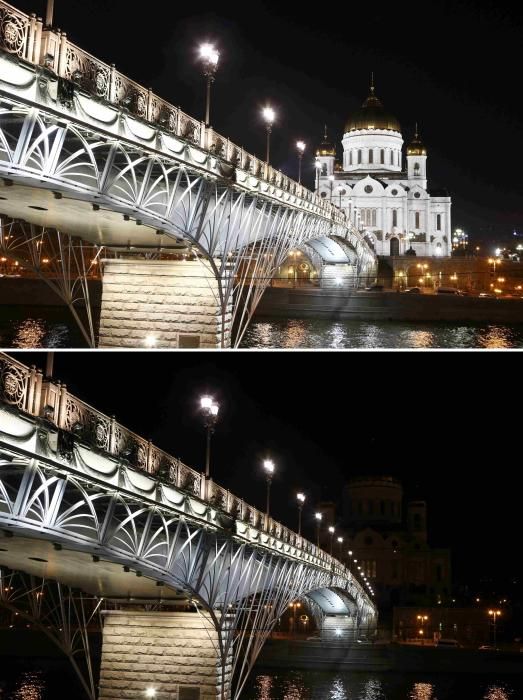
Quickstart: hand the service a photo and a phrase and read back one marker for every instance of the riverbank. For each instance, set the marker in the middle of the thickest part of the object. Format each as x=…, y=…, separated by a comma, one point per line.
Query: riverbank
x=356, y=305
x=318, y=655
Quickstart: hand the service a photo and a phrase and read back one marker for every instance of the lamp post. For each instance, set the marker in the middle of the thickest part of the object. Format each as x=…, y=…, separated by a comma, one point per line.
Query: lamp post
x=49, y=14
x=494, y=614
x=301, y=500
x=318, y=517
x=210, y=415
x=301, y=146
x=268, y=465
x=350, y=559
x=422, y=619
x=210, y=58
x=331, y=180
x=331, y=530
x=340, y=542
x=269, y=115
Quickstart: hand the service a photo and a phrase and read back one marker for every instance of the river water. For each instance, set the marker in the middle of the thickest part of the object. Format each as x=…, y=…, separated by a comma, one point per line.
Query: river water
x=36, y=682
x=52, y=327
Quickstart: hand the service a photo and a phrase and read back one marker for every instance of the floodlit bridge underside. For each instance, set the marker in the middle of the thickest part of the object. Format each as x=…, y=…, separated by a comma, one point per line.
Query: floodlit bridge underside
x=77, y=516
x=87, y=168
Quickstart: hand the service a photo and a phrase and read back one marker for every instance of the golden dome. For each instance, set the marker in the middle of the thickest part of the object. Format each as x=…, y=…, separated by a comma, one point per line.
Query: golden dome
x=372, y=115
x=326, y=148
x=416, y=147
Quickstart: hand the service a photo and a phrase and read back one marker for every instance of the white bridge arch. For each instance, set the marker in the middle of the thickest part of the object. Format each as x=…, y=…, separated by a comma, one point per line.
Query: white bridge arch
x=88, y=504
x=89, y=153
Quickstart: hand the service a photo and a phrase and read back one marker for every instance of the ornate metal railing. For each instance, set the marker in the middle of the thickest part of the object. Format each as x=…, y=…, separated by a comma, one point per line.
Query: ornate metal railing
x=25, y=36
x=24, y=388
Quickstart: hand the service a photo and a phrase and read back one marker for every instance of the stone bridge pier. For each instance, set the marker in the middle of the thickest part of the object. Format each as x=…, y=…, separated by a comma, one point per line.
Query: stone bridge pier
x=162, y=304
x=175, y=654
x=339, y=628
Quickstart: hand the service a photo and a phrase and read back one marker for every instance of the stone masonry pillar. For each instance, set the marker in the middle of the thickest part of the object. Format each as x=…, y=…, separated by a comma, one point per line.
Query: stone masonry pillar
x=174, y=653
x=339, y=628
x=161, y=304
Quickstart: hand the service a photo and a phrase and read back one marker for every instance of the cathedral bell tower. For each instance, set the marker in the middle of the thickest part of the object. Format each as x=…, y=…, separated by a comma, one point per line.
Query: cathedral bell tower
x=417, y=161
x=325, y=157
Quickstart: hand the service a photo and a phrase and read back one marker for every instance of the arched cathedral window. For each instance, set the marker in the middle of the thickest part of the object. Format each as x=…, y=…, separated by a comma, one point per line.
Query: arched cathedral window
x=382, y=156
x=359, y=157
x=371, y=155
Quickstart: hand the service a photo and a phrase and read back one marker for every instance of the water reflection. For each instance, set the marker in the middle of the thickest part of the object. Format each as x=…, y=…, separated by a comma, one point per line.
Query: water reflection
x=31, y=686
x=373, y=690
x=496, y=692
x=29, y=334
x=422, y=691
x=318, y=334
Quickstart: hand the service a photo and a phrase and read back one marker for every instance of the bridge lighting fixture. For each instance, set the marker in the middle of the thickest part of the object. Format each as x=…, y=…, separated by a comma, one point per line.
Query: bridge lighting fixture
x=268, y=466
x=301, y=500
x=210, y=411
x=269, y=117
x=150, y=341
x=318, y=517
x=150, y=693
x=301, y=146
x=210, y=58
x=331, y=530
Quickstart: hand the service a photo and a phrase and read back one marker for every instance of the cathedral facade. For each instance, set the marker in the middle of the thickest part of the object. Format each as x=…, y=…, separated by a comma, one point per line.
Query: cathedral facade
x=387, y=200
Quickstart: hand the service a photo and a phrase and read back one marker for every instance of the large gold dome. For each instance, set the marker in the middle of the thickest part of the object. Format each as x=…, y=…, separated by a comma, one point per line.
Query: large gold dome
x=372, y=115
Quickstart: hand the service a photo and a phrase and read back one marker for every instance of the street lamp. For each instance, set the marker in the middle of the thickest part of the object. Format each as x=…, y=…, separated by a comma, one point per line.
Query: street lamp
x=494, y=614
x=350, y=559
x=268, y=465
x=301, y=500
x=318, y=517
x=269, y=115
x=340, y=542
x=422, y=619
x=210, y=415
x=210, y=58
x=331, y=530
x=301, y=146
x=331, y=180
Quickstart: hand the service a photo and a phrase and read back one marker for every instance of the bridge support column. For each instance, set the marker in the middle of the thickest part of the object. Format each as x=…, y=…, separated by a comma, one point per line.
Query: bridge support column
x=338, y=628
x=174, y=653
x=340, y=276
x=163, y=304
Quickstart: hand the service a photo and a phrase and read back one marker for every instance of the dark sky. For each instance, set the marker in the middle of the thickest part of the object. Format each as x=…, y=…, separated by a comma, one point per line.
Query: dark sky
x=447, y=424
x=451, y=66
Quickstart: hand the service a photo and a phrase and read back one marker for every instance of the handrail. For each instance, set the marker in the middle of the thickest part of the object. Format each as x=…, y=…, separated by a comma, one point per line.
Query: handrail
x=24, y=388
x=25, y=36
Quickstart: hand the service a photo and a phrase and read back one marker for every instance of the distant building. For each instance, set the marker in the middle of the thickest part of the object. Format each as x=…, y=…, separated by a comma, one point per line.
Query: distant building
x=386, y=197
x=390, y=542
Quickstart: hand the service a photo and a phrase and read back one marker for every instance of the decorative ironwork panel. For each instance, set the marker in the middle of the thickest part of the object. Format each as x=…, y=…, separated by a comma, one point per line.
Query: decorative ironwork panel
x=85, y=70
x=14, y=380
x=14, y=30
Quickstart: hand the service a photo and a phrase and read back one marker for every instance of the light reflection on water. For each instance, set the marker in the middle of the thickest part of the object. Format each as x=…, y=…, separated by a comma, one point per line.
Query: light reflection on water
x=323, y=685
x=318, y=334
x=31, y=686
x=24, y=328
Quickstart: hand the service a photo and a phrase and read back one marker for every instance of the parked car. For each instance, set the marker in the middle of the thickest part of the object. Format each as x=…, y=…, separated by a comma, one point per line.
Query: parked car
x=488, y=647
x=375, y=288
x=449, y=290
x=412, y=290
x=447, y=643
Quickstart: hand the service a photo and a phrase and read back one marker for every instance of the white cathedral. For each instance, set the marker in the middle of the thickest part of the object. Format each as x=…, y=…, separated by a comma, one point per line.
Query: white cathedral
x=391, y=206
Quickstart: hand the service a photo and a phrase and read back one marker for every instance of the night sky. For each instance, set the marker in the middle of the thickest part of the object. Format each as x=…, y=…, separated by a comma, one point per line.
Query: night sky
x=451, y=66
x=447, y=424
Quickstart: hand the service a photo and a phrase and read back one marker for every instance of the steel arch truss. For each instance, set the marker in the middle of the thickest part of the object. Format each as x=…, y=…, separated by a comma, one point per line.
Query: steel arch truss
x=64, y=263
x=65, y=616
x=243, y=586
x=241, y=227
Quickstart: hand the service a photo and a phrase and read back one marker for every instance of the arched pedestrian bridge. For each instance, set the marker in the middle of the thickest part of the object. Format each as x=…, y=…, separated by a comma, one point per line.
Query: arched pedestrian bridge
x=87, y=505
x=199, y=226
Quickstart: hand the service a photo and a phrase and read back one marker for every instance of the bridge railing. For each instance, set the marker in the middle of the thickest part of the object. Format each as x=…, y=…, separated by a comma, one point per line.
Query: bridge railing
x=25, y=388
x=26, y=37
